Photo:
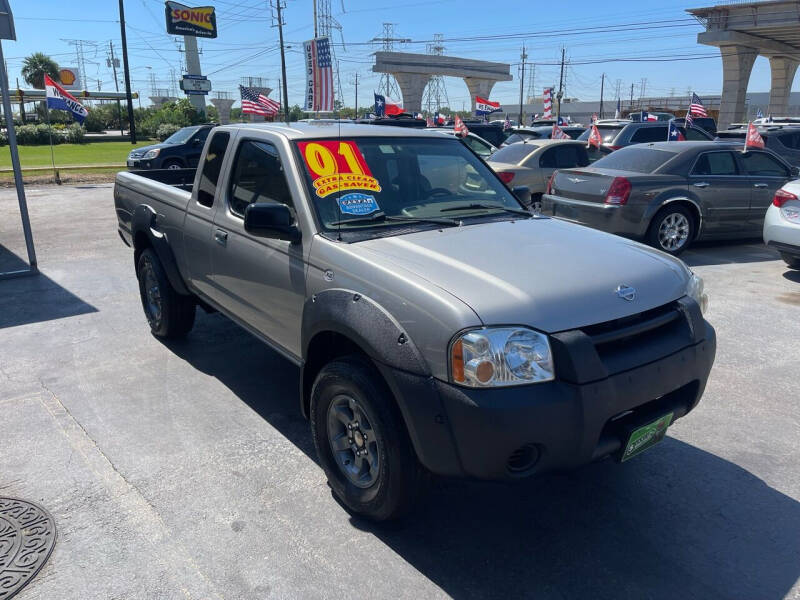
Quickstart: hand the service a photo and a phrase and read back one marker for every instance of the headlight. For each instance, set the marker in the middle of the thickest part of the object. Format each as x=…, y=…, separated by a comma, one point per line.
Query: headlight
x=151, y=153
x=500, y=356
x=694, y=289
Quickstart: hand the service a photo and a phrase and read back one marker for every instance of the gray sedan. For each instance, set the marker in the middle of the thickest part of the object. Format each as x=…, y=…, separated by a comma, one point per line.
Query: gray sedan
x=671, y=193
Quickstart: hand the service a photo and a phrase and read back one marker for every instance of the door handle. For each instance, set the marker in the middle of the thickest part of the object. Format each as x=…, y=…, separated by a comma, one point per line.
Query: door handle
x=702, y=184
x=760, y=185
x=221, y=237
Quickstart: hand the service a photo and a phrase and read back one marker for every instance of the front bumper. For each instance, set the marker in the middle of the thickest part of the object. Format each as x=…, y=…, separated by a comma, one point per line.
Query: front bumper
x=626, y=220
x=580, y=417
x=140, y=163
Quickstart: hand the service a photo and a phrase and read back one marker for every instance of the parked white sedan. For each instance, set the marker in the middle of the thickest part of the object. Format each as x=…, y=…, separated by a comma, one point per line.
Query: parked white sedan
x=782, y=223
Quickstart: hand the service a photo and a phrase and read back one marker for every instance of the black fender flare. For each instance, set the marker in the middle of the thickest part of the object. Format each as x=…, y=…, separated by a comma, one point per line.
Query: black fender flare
x=145, y=221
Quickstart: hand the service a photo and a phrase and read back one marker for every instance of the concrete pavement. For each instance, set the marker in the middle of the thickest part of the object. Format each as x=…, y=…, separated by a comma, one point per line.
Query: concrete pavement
x=186, y=471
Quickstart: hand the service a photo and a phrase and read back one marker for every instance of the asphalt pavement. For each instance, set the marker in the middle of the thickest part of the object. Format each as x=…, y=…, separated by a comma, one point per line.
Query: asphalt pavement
x=185, y=470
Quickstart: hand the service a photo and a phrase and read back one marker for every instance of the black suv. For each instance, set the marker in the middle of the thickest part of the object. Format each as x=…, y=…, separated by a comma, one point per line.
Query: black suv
x=181, y=150
x=491, y=132
x=618, y=134
x=707, y=123
x=783, y=140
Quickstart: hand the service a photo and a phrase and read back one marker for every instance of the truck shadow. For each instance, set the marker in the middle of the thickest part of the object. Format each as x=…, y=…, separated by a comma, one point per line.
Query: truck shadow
x=34, y=298
x=728, y=252
x=677, y=522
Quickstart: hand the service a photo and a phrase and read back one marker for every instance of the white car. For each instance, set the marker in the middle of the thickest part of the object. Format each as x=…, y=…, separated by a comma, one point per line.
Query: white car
x=782, y=223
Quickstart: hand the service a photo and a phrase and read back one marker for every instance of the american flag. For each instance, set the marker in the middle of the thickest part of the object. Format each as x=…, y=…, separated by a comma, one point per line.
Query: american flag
x=696, y=108
x=256, y=103
x=319, y=75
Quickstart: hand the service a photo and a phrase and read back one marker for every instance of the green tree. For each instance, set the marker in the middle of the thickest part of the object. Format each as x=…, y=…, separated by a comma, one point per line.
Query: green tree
x=36, y=66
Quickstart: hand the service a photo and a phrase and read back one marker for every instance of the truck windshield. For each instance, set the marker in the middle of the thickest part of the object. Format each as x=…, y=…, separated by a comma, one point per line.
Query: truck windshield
x=415, y=178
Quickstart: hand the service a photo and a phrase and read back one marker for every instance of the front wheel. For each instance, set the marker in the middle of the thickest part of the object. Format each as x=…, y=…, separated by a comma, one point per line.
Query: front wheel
x=672, y=229
x=793, y=262
x=361, y=441
x=172, y=165
x=169, y=314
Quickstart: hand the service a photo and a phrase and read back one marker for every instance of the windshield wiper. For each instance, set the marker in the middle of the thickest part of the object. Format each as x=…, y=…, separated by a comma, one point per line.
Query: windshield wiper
x=381, y=216
x=516, y=211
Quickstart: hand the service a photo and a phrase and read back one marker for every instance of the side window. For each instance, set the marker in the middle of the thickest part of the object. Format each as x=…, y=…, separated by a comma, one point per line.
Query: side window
x=478, y=147
x=257, y=177
x=715, y=163
x=212, y=167
x=548, y=159
x=649, y=134
x=693, y=135
x=790, y=140
x=568, y=156
x=762, y=164
x=200, y=136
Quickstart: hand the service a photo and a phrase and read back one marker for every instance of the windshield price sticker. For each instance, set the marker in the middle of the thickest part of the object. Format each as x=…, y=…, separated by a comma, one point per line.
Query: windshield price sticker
x=357, y=204
x=336, y=166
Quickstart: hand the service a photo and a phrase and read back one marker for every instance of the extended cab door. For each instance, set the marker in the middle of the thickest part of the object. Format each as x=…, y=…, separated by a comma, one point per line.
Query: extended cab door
x=723, y=191
x=199, y=220
x=260, y=281
x=766, y=174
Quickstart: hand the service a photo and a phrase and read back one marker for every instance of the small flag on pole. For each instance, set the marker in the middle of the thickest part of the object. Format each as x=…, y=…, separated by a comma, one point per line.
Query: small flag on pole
x=595, y=139
x=696, y=108
x=618, y=112
x=558, y=133
x=485, y=107
x=759, y=114
x=674, y=133
x=459, y=127
x=753, y=139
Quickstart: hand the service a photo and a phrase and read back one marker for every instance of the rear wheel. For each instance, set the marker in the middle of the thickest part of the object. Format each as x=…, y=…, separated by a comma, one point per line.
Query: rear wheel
x=792, y=261
x=362, y=442
x=672, y=229
x=170, y=314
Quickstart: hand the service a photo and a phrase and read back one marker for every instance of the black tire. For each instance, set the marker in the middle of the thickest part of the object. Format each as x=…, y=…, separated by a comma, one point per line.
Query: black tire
x=793, y=262
x=393, y=478
x=673, y=229
x=170, y=314
x=172, y=164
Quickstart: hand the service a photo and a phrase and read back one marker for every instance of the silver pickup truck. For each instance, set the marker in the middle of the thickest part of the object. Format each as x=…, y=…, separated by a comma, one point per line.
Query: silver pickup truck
x=439, y=325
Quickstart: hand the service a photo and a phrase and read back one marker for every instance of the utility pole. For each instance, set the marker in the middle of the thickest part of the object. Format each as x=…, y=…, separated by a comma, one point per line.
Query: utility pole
x=602, y=86
x=522, y=83
x=314, y=2
x=126, y=70
x=561, y=83
x=283, y=62
x=630, y=108
x=116, y=85
x=355, y=116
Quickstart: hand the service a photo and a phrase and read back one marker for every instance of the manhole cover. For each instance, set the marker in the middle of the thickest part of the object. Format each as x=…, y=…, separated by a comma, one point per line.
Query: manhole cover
x=27, y=536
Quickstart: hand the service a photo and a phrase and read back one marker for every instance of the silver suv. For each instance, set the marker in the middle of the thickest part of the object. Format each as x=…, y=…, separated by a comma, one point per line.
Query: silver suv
x=619, y=134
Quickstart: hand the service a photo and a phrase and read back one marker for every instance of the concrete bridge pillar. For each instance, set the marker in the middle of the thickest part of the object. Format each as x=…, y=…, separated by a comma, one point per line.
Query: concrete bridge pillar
x=223, y=106
x=412, y=85
x=478, y=87
x=737, y=63
x=783, y=71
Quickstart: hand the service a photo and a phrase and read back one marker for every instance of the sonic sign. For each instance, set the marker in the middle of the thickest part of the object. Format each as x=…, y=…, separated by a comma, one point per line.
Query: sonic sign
x=199, y=21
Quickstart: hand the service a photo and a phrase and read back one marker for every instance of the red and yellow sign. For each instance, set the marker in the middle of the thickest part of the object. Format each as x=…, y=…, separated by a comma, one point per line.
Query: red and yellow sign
x=337, y=166
x=198, y=21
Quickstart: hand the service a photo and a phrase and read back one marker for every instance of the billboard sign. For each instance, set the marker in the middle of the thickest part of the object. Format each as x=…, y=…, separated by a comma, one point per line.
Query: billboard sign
x=195, y=84
x=70, y=78
x=198, y=21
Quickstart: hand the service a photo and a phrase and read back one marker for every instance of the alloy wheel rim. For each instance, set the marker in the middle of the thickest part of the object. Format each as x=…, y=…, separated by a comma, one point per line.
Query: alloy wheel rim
x=152, y=294
x=354, y=442
x=673, y=231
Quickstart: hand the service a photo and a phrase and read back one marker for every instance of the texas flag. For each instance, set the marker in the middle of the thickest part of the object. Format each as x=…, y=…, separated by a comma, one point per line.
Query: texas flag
x=386, y=106
x=646, y=116
x=674, y=133
x=60, y=99
x=485, y=107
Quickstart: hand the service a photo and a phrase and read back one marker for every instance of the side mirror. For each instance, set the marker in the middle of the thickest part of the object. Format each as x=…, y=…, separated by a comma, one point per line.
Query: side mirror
x=269, y=220
x=795, y=171
x=523, y=194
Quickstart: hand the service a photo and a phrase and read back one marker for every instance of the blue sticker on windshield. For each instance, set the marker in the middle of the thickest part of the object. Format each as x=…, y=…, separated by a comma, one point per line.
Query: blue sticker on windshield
x=357, y=204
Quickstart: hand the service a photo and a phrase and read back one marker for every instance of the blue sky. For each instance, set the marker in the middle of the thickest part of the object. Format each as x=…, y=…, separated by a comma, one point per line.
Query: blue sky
x=247, y=43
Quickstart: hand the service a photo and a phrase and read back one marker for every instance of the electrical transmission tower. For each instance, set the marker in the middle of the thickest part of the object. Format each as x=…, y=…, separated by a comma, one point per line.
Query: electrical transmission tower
x=388, y=86
x=80, y=56
x=324, y=25
x=435, y=92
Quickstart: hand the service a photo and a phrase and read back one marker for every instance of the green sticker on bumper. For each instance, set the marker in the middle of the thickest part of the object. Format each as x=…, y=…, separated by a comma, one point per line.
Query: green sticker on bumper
x=647, y=436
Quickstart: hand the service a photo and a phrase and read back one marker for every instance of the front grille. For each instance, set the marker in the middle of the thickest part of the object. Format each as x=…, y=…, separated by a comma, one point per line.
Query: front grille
x=640, y=339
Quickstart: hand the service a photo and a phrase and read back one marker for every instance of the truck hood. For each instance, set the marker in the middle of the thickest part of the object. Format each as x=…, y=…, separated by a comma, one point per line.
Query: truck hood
x=543, y=273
